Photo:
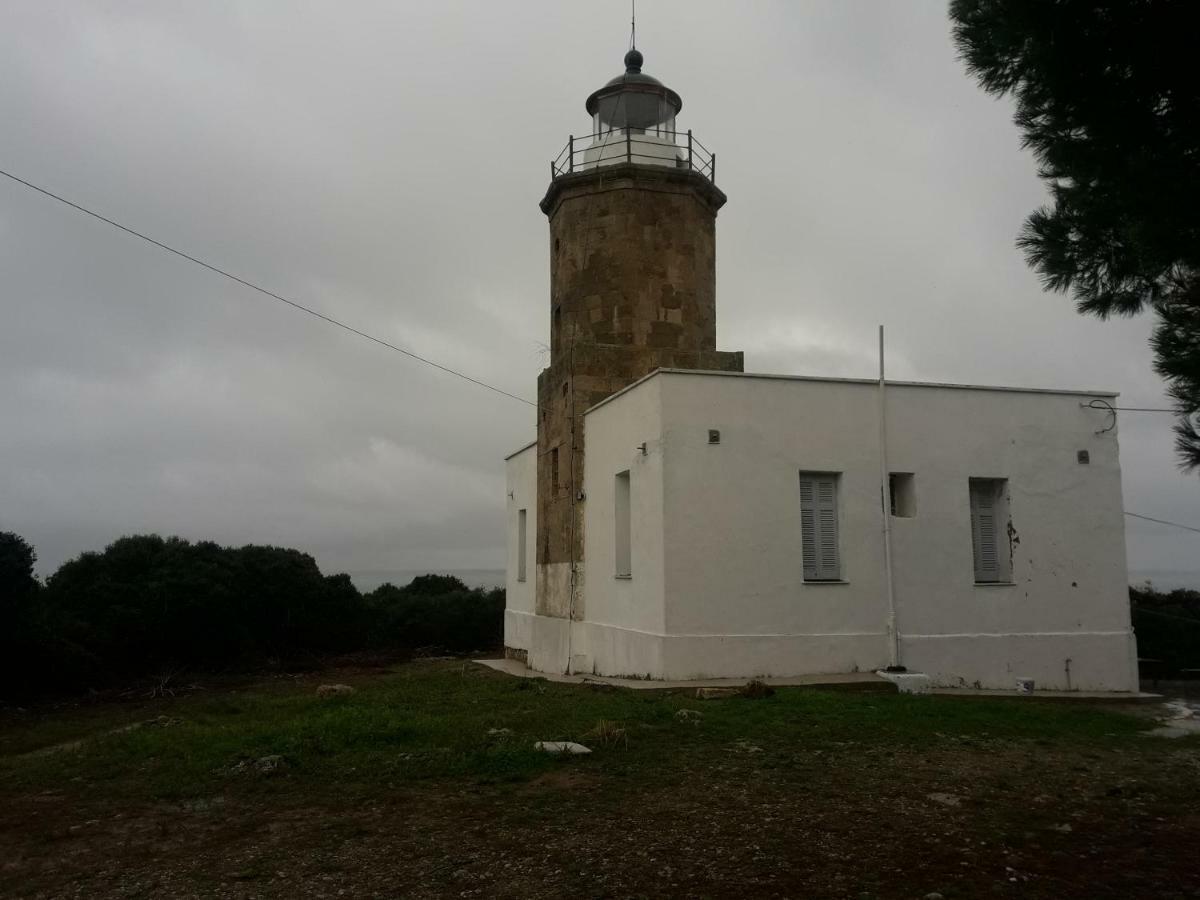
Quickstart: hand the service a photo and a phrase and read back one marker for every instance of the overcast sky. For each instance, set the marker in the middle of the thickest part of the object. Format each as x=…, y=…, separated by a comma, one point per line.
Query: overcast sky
x=382, y=162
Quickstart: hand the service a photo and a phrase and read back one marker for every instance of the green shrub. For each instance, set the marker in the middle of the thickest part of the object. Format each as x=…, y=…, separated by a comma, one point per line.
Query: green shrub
x=1167, y=625
x=458, y=620
x=148, y=604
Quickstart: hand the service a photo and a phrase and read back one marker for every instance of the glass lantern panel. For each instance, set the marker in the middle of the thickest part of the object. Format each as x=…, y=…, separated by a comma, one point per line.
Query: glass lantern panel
x=636, y=110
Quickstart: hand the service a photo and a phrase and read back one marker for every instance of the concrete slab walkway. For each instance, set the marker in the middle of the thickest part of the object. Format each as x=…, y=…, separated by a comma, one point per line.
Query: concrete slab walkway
x=865, y=680
x=520, y=670
x=1115, y=696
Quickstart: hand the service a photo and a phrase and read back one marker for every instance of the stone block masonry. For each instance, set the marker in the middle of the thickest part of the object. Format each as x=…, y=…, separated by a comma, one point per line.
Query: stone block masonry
x=632, y=289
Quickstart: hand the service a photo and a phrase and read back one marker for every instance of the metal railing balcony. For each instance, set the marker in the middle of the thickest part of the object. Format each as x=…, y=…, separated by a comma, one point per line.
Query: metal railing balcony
x=670, y=149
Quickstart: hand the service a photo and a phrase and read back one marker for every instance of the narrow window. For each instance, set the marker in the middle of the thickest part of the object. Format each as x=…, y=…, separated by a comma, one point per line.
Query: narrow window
x=557, y=323
x=621, y=514
x=554, y=469
x=522, y=537
x=903, y=494
x=989, y=530
x=819, y=527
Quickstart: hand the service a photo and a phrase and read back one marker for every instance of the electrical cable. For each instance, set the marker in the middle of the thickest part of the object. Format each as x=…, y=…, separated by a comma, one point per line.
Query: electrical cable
x=262, y=290
x=1163, y=522
x=331, y=321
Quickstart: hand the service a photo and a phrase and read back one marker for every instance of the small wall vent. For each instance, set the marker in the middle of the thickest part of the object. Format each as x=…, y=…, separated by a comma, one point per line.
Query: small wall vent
x=1082, y=457
x=714, y=436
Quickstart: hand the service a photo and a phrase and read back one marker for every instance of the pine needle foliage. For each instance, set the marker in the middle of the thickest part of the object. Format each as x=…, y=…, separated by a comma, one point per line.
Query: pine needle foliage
x=1108, y=100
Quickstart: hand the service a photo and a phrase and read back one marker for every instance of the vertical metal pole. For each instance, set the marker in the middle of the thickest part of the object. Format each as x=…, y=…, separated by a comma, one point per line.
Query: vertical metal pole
x=886, y=512
x=571, y=153
x=689, y=149
x=713, y=169
x=628, y=146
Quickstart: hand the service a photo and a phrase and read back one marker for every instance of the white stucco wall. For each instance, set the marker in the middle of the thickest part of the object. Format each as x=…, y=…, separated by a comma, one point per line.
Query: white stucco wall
x=520, y=471
x=717, y=585
x=632, y=606
x=732, y=538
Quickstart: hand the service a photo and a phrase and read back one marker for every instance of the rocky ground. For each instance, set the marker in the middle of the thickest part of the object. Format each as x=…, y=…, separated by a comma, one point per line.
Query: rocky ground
x=802, y=794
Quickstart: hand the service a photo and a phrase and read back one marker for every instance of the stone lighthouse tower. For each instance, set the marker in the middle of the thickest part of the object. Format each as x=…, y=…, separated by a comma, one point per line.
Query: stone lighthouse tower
x=632, y=210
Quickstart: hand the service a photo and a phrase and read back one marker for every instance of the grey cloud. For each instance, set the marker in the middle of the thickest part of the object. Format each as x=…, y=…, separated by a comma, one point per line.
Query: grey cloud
x=382, y=162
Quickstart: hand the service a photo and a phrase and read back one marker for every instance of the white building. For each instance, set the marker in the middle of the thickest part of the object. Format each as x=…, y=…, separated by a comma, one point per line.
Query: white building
x=724, y=524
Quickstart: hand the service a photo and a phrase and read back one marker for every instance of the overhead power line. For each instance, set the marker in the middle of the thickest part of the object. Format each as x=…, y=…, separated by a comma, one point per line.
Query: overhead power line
x=1163, y=522
x=262, y=290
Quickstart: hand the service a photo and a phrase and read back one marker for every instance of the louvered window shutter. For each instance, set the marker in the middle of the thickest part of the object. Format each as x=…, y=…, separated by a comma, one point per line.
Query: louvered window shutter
x=819, y=528
x=808, y=527
x=829, y=566
x=983, y=531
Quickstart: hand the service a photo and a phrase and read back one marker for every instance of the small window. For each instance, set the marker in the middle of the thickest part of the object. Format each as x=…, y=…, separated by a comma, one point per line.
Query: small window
x=522, y=537
x=621, y=514
x=554, y=469
x=819, y=527
x=989, y=530
x=902, y=492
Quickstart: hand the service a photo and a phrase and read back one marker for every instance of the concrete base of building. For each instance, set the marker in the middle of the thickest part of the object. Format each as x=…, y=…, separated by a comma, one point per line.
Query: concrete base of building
x=853, y=680
x=1062, y=661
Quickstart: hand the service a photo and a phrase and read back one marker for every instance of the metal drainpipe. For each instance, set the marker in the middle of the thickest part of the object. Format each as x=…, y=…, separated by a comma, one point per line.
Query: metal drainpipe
x=885, y=511
x=571, y=513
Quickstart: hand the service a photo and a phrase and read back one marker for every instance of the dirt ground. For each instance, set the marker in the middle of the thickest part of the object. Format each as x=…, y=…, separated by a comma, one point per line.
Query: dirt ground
x=964, y=815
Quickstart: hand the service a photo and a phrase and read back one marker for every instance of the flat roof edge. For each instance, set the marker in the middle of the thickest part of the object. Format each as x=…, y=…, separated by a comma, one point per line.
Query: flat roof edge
x=870, y=381
x=521, y=450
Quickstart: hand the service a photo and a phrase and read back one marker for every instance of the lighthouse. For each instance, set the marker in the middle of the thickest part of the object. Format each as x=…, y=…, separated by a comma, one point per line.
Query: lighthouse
x=632, y=208
x=679, y=519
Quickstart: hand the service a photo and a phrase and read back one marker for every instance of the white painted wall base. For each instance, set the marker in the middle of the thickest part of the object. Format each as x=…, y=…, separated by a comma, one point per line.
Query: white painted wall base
x=1099, y=661
x=988, y=661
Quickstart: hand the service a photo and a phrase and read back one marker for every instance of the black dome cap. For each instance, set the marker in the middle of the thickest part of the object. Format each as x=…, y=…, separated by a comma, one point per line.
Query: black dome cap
x=633, y=78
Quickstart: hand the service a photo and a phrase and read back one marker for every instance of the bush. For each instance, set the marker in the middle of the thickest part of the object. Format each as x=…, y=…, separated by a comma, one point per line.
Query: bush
x=456, y=620
x=148, y=604
x=1167, y=626
x=17, y=559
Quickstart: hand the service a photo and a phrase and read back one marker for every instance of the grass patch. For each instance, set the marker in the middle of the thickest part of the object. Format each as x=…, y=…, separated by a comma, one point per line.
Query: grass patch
x=449, y=721
x=425, y=781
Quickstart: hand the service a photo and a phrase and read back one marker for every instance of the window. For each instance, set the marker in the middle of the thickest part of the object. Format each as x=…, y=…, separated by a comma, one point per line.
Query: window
x=819, y=527
x=522, y=537
x=554, y=469
x=621, y=514
x=989, y=530
x=902, y=491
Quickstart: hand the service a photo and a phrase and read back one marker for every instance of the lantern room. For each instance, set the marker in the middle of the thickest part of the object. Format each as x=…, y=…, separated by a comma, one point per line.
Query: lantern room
x=633, y=119
x=636, y=102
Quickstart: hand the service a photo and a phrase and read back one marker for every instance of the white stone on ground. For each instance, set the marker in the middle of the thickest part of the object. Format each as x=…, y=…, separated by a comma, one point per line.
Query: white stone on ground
x=568, y=747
